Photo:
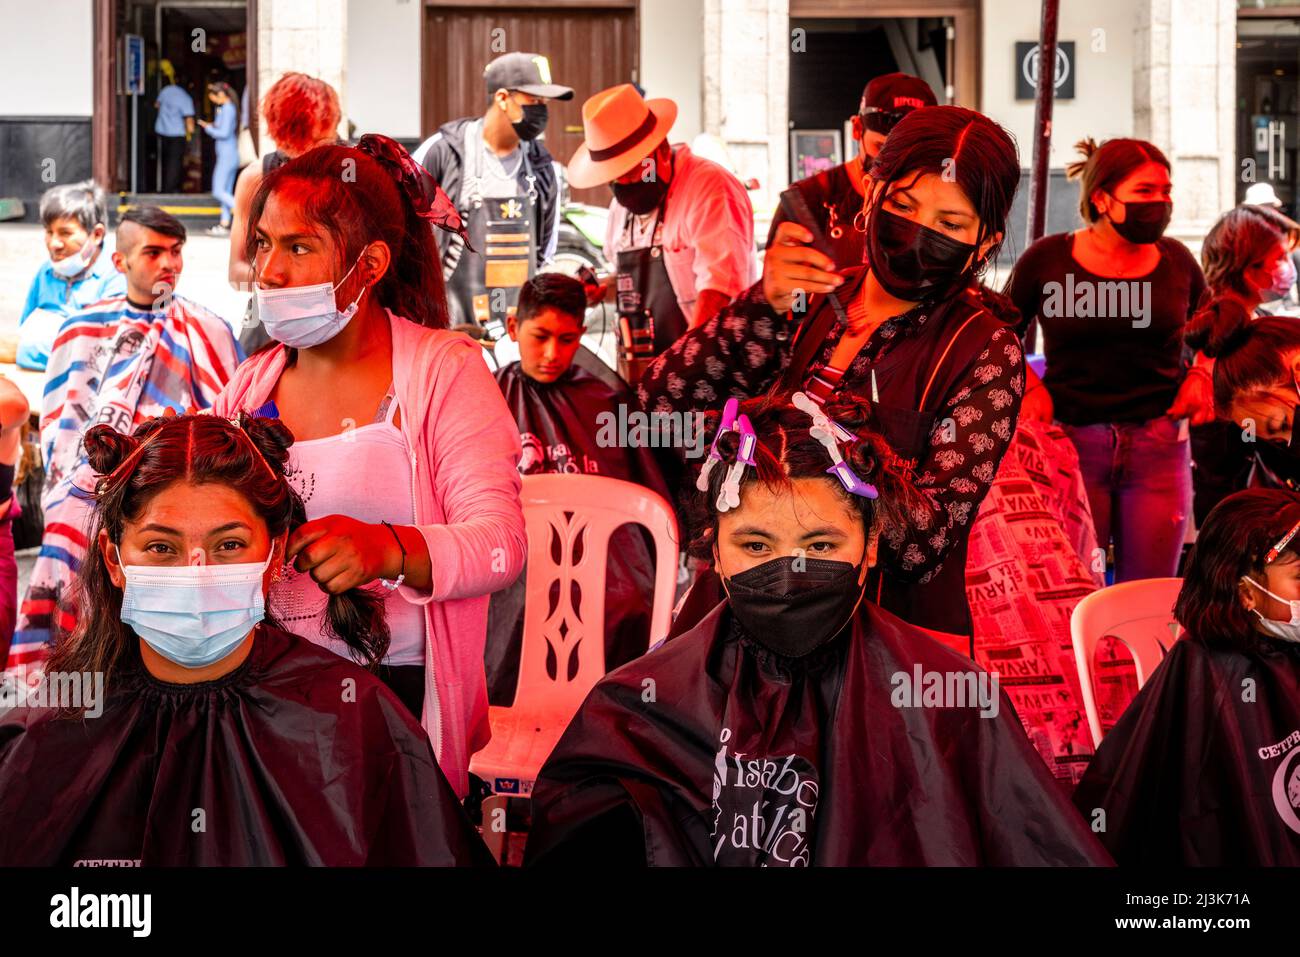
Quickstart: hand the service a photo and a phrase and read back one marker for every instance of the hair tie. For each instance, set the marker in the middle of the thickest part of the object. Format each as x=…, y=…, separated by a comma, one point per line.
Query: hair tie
x=422, y=190
x=244, y=432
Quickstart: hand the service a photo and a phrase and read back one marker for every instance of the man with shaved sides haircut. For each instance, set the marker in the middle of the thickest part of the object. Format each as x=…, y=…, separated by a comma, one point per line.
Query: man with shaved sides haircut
x=122, y=360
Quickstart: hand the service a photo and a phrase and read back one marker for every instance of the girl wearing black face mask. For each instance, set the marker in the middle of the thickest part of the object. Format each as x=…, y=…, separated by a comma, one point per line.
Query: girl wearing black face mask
x=904, y=331
x=790, y=696
x=1112, y=300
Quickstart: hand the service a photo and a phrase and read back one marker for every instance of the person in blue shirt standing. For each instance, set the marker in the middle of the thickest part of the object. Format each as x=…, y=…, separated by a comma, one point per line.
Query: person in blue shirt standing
x=78, y=273
x=174, y=126
x=224, y=130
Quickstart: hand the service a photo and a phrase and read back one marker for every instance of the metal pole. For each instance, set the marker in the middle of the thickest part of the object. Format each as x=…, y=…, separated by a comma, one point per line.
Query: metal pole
x=1038, y=175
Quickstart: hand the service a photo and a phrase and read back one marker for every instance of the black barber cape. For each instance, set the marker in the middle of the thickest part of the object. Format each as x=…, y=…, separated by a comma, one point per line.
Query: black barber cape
x=297, y=756
x=561, y=424
x=713, y=750
x=1203, y=768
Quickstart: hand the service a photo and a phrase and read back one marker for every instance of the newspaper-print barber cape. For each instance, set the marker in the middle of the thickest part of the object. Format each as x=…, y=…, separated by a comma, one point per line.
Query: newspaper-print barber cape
x=118, y=364
x=1204, y=766
x=1031, y=560
x=713, y=750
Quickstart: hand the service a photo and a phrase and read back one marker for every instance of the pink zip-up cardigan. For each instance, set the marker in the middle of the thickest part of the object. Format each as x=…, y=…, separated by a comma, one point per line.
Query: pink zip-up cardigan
x=465, y=451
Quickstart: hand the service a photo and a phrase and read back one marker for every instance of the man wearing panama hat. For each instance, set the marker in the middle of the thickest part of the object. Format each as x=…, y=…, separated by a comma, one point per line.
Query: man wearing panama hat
x=681, y=228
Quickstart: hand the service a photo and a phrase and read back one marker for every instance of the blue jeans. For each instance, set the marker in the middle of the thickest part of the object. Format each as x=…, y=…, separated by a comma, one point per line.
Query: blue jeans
x=1139, y=481
x=223, y=178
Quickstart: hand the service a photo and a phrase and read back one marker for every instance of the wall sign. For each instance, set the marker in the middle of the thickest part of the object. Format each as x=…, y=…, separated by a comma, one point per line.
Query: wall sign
x=1027, y=69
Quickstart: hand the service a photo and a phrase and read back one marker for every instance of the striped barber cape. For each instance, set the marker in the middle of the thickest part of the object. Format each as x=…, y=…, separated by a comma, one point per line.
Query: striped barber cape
x=119, y=364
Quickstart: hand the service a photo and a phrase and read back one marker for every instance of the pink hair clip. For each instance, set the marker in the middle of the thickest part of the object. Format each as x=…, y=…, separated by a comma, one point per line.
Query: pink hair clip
x=725, y=425
x=729, y=494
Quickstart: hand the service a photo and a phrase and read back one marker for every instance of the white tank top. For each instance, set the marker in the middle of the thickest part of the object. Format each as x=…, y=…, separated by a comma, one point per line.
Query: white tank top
x=364, y=473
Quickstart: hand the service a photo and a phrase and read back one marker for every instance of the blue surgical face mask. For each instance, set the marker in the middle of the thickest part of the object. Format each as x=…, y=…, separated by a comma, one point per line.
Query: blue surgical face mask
x=1285, y=630
x=71, y=266
x=194, y=615
x=304, y=316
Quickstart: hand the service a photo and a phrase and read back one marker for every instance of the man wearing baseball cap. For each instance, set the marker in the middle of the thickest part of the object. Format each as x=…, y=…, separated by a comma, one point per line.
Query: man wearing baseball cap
x=681, y=228
x=834, y=196
x=503, y=181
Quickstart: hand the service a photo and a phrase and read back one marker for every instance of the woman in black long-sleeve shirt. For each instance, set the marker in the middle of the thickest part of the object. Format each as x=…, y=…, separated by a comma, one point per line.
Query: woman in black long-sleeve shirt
x=907, y=332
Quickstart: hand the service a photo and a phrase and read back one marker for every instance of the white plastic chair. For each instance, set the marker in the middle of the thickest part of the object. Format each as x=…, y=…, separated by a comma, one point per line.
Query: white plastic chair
x=569, y=521
x=1138, y=613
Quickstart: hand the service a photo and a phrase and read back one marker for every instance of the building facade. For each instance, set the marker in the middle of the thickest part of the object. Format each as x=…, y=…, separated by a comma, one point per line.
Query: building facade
x=1212, y=82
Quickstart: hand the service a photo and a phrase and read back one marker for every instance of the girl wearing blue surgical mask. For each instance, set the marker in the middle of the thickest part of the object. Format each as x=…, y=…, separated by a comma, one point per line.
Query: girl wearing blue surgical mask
x=192, y=704
x=405, y=453
x=1249, y=275
x=1203, y=768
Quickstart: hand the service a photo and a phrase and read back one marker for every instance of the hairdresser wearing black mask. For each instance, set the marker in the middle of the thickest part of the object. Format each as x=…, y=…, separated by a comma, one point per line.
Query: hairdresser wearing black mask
x=834, y=196
x=502, y=180
x=905, y=331
x=681, y=228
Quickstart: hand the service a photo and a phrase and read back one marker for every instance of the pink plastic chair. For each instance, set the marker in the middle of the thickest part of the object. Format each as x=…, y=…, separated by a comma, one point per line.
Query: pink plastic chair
x=569, y=521
x=1138, y=613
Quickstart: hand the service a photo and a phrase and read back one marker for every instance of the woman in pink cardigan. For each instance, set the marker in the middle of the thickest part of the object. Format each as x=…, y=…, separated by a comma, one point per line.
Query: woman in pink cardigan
x=405, y=453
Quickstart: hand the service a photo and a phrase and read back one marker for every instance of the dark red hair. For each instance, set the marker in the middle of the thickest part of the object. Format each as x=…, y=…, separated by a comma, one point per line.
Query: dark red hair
x=300, y=112
x=1232, y=543
x=1105, y=167
x=786, y=451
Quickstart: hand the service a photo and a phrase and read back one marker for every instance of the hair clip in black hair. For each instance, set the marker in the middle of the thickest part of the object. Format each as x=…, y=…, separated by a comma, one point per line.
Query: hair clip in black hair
x=1282, y=543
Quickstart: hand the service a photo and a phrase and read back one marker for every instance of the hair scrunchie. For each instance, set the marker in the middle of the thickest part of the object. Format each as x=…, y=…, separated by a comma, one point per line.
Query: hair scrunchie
x=422, y=190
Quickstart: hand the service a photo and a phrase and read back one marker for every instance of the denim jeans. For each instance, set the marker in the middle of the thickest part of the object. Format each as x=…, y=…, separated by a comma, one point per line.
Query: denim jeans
x=1139, y=481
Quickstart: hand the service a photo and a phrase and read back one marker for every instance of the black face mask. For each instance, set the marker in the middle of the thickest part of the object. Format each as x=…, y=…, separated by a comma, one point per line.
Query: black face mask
x=913, y=262
x=533, y=122
x=1144, y=222
x=638, y=197
x=795, y=609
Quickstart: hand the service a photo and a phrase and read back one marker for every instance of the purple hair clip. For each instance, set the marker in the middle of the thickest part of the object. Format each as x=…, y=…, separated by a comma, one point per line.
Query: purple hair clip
x=725, y=425
x=850, y=480
x=729, y=494
x=830, y=434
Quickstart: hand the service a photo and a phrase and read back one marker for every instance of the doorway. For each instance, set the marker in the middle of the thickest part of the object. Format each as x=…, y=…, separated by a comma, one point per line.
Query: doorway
x=590, y=49
x=1268, y=114
x=205, y=42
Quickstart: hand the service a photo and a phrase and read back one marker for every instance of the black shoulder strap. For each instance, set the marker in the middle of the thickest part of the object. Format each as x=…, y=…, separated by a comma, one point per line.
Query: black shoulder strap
x=810, y=337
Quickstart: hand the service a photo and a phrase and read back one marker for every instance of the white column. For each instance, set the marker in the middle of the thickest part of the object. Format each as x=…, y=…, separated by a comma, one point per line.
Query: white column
x=1184, y=89
x=308, y=36
x=746, y=78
